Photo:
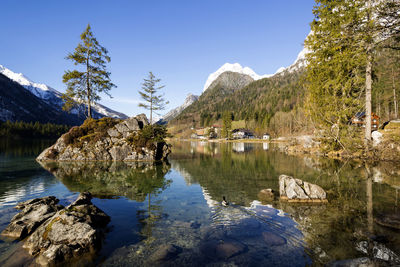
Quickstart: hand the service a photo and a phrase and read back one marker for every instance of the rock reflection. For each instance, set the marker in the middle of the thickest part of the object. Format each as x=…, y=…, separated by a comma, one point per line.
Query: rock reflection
x=134, y=180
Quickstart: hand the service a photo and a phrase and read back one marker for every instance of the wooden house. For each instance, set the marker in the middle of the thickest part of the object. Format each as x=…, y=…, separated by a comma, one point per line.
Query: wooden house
x=359, y=120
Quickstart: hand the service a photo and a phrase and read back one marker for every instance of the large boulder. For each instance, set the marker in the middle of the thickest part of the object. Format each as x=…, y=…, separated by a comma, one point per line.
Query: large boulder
x=33, y=213
x=71, y=232
x=55, y=234
x=296, y=190
x=104, y=140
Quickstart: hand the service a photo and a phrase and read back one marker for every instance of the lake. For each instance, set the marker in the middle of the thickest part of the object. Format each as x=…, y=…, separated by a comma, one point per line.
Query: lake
x=179, y=203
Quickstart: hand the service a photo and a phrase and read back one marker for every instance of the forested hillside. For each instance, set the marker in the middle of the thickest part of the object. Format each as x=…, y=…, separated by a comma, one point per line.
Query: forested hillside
x=273, y=104
x=276, y=104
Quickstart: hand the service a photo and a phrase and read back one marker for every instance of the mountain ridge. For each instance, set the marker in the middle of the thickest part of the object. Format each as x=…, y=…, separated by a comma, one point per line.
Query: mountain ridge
x=44, y=96
x=53, y=97
x=190, y=99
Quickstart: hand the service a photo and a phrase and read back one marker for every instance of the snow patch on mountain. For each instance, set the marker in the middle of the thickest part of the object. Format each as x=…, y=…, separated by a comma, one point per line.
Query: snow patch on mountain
x=190, y=99
x=38, y=89
x=236, y=67
x=52, y=96
x=300, y=61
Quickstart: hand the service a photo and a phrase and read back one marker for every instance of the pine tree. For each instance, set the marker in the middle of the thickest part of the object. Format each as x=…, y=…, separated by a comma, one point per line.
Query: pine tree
x=85, y=86
x=335, y=71
x=153, y=102
x=226, y=124
x=344, y=40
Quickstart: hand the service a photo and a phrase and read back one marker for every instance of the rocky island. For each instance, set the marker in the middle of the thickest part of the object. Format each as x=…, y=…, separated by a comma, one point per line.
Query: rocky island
x=108, y=139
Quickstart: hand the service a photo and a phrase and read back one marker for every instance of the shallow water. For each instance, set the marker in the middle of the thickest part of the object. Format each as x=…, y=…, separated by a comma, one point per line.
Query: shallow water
x=179, y=203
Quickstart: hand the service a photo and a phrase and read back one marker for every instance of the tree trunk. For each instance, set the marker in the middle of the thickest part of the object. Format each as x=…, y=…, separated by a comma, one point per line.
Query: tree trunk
x=379, y=106
x=368, y=92
x=88, y=86
x=396, y=108
x=151, y=108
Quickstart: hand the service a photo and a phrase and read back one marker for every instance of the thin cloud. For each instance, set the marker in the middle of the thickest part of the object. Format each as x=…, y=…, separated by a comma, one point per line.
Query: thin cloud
x=123, y=100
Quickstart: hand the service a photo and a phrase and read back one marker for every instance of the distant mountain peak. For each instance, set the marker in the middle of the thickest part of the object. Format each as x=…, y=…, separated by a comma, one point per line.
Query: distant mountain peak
x=38, y=89
x=235, y=67
x=52, y=96
x=190, y=99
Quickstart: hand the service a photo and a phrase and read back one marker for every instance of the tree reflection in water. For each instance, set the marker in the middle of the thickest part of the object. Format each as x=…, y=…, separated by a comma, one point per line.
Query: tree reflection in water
x=134, y=180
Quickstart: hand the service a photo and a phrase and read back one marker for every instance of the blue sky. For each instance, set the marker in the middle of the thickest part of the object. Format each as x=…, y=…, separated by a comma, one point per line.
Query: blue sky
x=180, y=41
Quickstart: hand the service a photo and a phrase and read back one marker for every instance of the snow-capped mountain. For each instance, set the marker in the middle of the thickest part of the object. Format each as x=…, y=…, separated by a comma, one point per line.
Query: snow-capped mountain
x=235, y=67
x=299, y=63
x=53, y=97
x=190, y=99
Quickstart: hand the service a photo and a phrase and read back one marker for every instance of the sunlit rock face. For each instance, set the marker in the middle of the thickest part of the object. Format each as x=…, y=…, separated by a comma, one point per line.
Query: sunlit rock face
x=33, y=213
x=106, y=140
x=56, y=234
x=292, y=189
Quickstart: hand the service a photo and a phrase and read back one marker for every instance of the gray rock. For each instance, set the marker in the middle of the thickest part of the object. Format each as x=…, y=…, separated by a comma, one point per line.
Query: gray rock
x=142, y=119
x=295, y=189
x=283, y=179
x=132, y=124
x=34, y=213
x=120, y=152
x=122, y=128
x=71, y=232
x=113, y=133
x=316, y=192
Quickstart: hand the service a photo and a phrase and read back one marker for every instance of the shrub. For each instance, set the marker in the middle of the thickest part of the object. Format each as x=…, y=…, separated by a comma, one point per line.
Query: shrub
x=91, y=131
x=148, y=137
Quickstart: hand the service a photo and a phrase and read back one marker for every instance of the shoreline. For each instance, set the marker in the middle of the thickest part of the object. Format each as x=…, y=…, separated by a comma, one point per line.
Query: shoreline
x=297, y=147
x=256, y=141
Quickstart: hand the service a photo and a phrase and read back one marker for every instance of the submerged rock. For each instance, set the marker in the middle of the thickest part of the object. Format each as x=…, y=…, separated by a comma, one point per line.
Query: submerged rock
x=222, y=249
x=165, y=252
x=272, y=239
x=266, y=195
x=34, y=213
x=292, y=189
x=106, y=139
x=60, y=234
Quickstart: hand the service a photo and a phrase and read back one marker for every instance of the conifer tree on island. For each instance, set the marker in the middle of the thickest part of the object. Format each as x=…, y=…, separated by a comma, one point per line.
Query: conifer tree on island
x=85, y=86
x=153, y=101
